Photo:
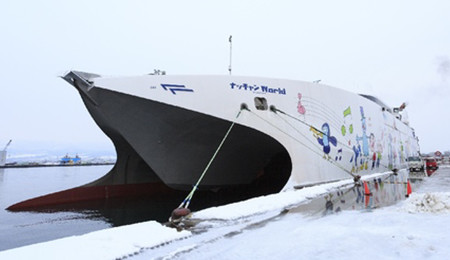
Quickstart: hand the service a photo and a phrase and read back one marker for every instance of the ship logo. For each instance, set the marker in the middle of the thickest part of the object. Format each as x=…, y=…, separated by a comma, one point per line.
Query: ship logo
x=175, y=88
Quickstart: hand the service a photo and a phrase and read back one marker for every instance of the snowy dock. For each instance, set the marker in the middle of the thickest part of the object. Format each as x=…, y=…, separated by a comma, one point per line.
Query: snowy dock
x=105, y=244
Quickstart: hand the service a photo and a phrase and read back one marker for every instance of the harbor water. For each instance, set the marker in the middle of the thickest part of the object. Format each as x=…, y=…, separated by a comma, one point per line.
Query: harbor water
x=24, y=228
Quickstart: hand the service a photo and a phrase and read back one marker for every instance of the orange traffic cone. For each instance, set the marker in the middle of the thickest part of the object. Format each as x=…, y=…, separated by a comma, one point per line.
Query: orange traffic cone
x=408, y=189
x=366, y=189
x=367, y=194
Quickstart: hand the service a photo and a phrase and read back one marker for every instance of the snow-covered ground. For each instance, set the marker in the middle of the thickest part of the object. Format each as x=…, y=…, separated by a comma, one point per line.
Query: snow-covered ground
x=412, y=229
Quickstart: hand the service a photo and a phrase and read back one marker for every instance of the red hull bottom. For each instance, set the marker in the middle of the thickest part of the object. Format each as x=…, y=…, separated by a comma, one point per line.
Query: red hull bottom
x=83, y=194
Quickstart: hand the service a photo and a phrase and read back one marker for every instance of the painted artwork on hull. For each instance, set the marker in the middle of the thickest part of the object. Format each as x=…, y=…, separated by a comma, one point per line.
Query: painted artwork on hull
x=358, y=146
x=326, y=139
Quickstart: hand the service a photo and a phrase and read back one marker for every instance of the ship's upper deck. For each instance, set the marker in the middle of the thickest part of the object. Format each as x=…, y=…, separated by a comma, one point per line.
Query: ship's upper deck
x=376, y=100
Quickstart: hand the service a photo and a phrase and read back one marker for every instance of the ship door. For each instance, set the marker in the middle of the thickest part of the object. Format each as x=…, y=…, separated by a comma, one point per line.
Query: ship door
x=261, y=103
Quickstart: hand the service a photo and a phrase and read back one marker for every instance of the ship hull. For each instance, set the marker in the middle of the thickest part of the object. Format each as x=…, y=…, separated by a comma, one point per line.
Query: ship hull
x=276, y=134
x=156, y=142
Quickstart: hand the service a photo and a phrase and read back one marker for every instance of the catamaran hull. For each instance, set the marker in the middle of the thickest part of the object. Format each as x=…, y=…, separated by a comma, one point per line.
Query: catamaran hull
x=167, y=131
x=158, y=142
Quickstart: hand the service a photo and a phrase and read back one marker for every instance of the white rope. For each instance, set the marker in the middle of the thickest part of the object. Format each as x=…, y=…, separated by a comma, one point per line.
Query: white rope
x=188, y=198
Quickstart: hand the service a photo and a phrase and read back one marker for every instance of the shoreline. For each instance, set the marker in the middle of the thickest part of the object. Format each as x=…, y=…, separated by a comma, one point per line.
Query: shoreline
x=31, y=165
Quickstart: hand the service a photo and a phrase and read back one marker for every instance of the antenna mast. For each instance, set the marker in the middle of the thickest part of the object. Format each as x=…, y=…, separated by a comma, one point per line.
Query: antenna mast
x=229, y=67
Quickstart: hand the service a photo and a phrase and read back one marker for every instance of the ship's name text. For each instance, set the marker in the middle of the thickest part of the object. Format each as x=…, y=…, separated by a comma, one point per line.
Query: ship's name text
x=258, y=88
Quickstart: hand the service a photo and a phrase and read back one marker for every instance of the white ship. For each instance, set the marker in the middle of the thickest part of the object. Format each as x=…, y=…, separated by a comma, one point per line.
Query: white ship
x=276, y=134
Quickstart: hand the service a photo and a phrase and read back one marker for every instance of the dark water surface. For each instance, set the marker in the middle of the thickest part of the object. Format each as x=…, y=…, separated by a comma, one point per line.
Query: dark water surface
x=24, y=228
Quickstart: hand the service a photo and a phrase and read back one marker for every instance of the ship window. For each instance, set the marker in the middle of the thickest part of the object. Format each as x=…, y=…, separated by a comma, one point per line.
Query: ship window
x=261, y=103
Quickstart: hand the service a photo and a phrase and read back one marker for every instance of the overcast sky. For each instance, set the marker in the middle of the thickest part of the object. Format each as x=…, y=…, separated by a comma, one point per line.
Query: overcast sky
x=396, y=50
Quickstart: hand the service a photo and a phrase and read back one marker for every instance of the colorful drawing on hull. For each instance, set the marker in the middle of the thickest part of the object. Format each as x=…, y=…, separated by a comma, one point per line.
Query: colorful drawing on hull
x=300, y=108
x=347, y=122
x=316, y=132
x=390, y=152
x=379, y=152
x=373, y=151
x=318, y=110
x=402, y=152
x=380, y=146
x=338, y=155
x=361, y=151
x=395, y=154
x=356, y=153
x=326, y=139
x=363, y=138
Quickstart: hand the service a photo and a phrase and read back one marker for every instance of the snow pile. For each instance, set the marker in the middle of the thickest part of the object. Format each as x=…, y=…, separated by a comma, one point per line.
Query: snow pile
x=434, y=202
x=111, y=243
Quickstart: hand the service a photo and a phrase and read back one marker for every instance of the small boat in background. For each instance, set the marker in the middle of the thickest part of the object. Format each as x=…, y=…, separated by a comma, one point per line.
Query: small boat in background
x=67, y=160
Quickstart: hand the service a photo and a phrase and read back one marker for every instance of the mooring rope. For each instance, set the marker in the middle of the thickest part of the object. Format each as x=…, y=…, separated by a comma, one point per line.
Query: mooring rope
x=188, y=198
x=300, y=142
x=275, y=110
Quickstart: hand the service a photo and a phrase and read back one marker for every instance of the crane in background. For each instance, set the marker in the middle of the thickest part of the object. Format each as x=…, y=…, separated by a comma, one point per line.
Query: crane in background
x=6, y=146
x=3, y=154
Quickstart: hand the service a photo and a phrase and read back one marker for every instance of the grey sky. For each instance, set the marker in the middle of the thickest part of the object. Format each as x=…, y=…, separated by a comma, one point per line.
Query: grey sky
x=396, y=50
